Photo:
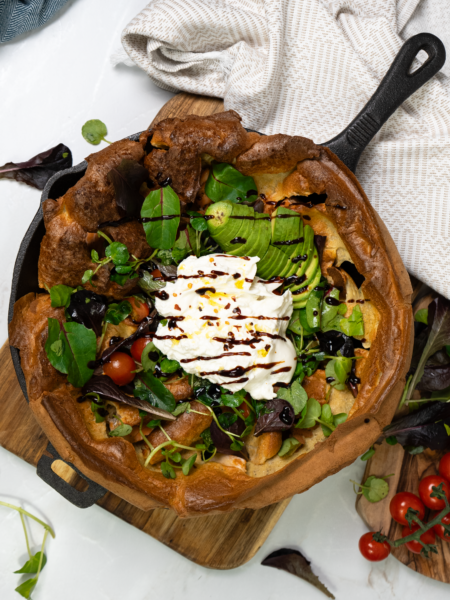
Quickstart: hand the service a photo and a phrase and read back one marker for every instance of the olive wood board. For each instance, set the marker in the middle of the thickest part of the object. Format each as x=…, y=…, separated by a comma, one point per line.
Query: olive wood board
x=219, y=541
x=408, y=471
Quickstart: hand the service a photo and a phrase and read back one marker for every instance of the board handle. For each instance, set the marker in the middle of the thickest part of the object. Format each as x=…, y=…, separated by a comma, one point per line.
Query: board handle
x=397, y=85
x=81, y=499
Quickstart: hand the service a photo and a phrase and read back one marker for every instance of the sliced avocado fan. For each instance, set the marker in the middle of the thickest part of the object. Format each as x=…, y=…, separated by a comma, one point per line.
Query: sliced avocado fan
x=284, y=245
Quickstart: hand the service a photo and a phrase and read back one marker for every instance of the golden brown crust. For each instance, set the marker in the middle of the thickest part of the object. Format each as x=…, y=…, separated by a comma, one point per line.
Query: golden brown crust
x=214, y=487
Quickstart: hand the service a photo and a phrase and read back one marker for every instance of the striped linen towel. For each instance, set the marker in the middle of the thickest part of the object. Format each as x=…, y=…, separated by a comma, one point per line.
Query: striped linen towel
x=20, y=16
x=307, y=67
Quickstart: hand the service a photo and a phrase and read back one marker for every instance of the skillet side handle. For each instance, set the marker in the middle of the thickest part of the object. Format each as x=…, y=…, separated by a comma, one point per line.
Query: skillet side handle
x=397, y=85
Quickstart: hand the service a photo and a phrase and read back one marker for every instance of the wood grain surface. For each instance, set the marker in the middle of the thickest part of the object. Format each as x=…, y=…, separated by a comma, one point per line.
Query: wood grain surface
x=408, y=471
x=219, y=541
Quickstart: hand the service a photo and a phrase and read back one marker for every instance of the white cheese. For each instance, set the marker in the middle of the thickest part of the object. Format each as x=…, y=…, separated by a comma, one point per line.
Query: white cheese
x=228, y=321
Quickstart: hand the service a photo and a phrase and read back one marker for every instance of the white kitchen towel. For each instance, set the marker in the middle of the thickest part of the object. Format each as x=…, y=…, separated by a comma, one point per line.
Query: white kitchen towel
x=307, y=67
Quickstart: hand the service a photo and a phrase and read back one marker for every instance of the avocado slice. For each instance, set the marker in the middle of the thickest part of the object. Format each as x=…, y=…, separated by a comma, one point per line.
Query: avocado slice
x=221, y=227
x=287, y=230
x=307, y=250
x=301, y=299
x=272, y=263
x=257, y=240
x=309, y=274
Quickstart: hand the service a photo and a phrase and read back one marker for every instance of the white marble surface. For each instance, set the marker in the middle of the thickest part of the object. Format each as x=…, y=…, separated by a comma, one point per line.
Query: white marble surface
x=51, y=82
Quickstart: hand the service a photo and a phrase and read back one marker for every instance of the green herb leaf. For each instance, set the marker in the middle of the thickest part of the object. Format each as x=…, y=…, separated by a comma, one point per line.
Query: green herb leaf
x=313, y=309
x=227, y=183
x=116, y=313
x=295, y=395
x=375, y=489
x=226, y=420
x=391, y=440
x=187, y=466
x=421, y=316
x=233, y=400
x=288, y=447
x=370, y=452
x=118, y=252
x=95, y=408
x=121, y=431
x=60, y=295
x=310, y=413
x=32, y=565
x=295, y=323
x=94, y=131
x=169, y=366
x=166, y=257
x=330, y=318
x=148, y=283
x=26, y=588
x=180, y=409
x=354, y=325
x=161, y=233
x=87, y=276
x=147, y=363
x=167, y=470
x=206, y=437
x=151, y=389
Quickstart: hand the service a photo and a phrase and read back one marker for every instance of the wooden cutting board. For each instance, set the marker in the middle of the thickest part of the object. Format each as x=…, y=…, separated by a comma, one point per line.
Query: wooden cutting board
x=219, y=541
x=408, y=471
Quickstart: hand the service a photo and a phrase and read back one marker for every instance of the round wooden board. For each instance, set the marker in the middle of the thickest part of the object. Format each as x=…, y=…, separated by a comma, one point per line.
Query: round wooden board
x=408, y=471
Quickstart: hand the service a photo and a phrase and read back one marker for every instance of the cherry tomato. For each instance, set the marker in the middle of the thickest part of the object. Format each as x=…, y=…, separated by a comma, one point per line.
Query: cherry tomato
x=156, y=274
x=440, y=531
x=426, y=489
x=138, y=347
x=245, y=410
x=372, y=550
x=444, y=466
x=401, y=502
x=140, y=309
x=429, y=537
x=119, y=368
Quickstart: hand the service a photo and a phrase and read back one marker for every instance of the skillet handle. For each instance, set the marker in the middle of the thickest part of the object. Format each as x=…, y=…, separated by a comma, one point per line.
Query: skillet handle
x=397, y=85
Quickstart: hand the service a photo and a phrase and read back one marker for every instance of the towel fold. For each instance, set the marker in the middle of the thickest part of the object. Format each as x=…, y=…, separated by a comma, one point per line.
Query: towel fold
x=307, y=68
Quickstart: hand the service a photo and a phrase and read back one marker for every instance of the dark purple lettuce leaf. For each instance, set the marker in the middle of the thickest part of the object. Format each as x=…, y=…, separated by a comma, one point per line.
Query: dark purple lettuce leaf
x=293, y=561
x=279, y=416
x=105, y=387
x=222, y=441
x=424, y=427
x=319, y=242
x=434, y=378
x=127, y=179
x=38, y=170
x=333, y=341
x=88, y=308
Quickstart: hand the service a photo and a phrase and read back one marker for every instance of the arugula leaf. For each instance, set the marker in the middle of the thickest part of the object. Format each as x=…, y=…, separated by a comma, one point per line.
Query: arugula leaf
x=288, y=447
x=354, y=325
x=26, y=588
x=38, y=170
x=77, y=347
x=152, y=390
x=60, y=295
x=94, y=132
x=32, y=565
x=148, y=284
x=116, y=313
x=161, y=233
x=295, y=395
x=121, y=431
x=227, y=183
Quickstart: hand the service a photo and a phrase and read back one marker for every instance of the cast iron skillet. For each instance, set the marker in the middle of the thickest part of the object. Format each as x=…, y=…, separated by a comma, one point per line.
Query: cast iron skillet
x=397, y=85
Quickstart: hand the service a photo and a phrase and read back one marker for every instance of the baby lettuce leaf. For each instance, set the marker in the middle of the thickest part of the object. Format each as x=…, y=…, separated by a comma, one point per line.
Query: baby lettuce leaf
x=162, y=232
x=85, y=307
x=288, y=447
x=60, y=295
x=425, y=427
x=433, y=339
x=354, y=325
x=38, y=170
x=151, y=389
x=295, y=395
x=279, y=416
x=148, y=284
x=117, y=312
x=32, y=565
x=127, y=179
x=292, y=561
x=94, y=132
x=434, y=378
x=226, y=183
x=105, y=387
x=70, y=350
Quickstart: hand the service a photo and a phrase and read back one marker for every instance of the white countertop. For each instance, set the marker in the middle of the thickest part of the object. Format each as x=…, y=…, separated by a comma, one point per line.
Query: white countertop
x=52, y=81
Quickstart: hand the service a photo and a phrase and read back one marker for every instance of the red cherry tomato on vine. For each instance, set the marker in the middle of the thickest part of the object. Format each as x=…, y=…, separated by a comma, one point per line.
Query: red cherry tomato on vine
x=401, y=502
x=429, y=537
x=140, y=309
x=138, y=347
x=426, y=489
x=444, y=466
x=119, y=368
x=372, y=550
x=439, y=530
x=245, y=410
